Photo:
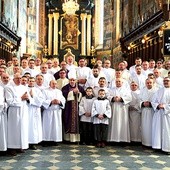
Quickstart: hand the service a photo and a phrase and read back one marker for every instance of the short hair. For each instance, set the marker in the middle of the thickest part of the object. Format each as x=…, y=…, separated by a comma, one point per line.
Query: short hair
x=27, y=73
x=39, y=75
x=89, y=88
x=62, y=70
x=166, y=78
x=150, y=74
x=151, y=60
x=117, y=69
x=81, y=58
x=2, y=67
x=159, y=60
x=148, y=79
x=134, y=82
x=138, y=65
x=101, y=90
x=14, y=57
x=102, y=78
x=24, y=77
x=31, y=60
x=138, y=58
x=31, y=78
x=95, y=66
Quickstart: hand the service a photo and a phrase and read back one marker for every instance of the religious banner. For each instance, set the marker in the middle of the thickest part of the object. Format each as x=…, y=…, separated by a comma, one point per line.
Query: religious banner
x=69, y=31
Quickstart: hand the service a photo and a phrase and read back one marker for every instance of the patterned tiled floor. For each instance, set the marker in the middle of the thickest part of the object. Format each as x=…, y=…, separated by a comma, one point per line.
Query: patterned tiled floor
x=87, y=157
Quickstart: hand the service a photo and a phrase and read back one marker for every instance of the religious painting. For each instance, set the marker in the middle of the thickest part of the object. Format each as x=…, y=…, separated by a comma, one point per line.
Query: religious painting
x=108, y=25
x=107, y=44
x=107, y=8
x=10, y=14
x=69, y=31
x=125, y=17
x=32, y=25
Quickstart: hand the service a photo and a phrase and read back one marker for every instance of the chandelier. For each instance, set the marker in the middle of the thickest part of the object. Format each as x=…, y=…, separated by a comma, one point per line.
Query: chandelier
x=70, y=6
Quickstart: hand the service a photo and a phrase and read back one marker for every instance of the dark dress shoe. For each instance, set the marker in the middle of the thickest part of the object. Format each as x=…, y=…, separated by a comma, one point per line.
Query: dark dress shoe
x=20, y=151
x=55, y=144
x=98, y=145
x=103, y=144
x=33, y=147
x=12, y=152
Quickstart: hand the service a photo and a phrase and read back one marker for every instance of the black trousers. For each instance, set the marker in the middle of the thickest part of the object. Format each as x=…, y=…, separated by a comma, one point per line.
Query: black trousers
x=100, y=132
x=86, y=132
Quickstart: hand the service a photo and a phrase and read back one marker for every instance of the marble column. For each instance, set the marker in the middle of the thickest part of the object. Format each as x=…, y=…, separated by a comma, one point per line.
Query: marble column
x=88, y=34
x=55, y=40
x=50, y=17
x=83, y=17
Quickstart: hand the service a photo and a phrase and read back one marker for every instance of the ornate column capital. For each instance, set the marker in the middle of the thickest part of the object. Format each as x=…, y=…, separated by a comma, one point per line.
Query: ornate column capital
x=83, y=16
x=89, y=16
x=56, y=15
x=50, y=16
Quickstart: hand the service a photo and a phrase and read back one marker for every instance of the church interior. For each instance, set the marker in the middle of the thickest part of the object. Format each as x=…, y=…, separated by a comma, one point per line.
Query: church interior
x=115, y=30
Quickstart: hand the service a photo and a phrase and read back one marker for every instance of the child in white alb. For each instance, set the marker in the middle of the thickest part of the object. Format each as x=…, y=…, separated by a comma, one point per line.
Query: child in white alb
x=101, y=112
x=86, y=123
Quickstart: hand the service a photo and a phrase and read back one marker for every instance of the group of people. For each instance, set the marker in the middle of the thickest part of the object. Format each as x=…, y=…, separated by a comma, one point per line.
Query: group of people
x=53, y=102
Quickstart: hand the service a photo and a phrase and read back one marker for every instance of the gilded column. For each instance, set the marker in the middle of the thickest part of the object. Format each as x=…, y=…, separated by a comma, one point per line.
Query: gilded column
x=50, y=17
x=83, y=33
x=42, y=31
x=88, y=34
x=55, y=44
x=118, y=20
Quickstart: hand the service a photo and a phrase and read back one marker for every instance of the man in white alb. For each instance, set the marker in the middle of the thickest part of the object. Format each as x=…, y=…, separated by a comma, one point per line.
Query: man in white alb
x=17, y=98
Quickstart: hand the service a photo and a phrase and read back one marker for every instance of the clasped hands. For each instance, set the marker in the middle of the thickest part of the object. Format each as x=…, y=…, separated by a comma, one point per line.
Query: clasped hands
x=146, y=103
x=55, y=101
x=117, y=99
x=87, y=114
x=25, y=96
x=76, y=90
x=101, y=116
x=161, y=106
